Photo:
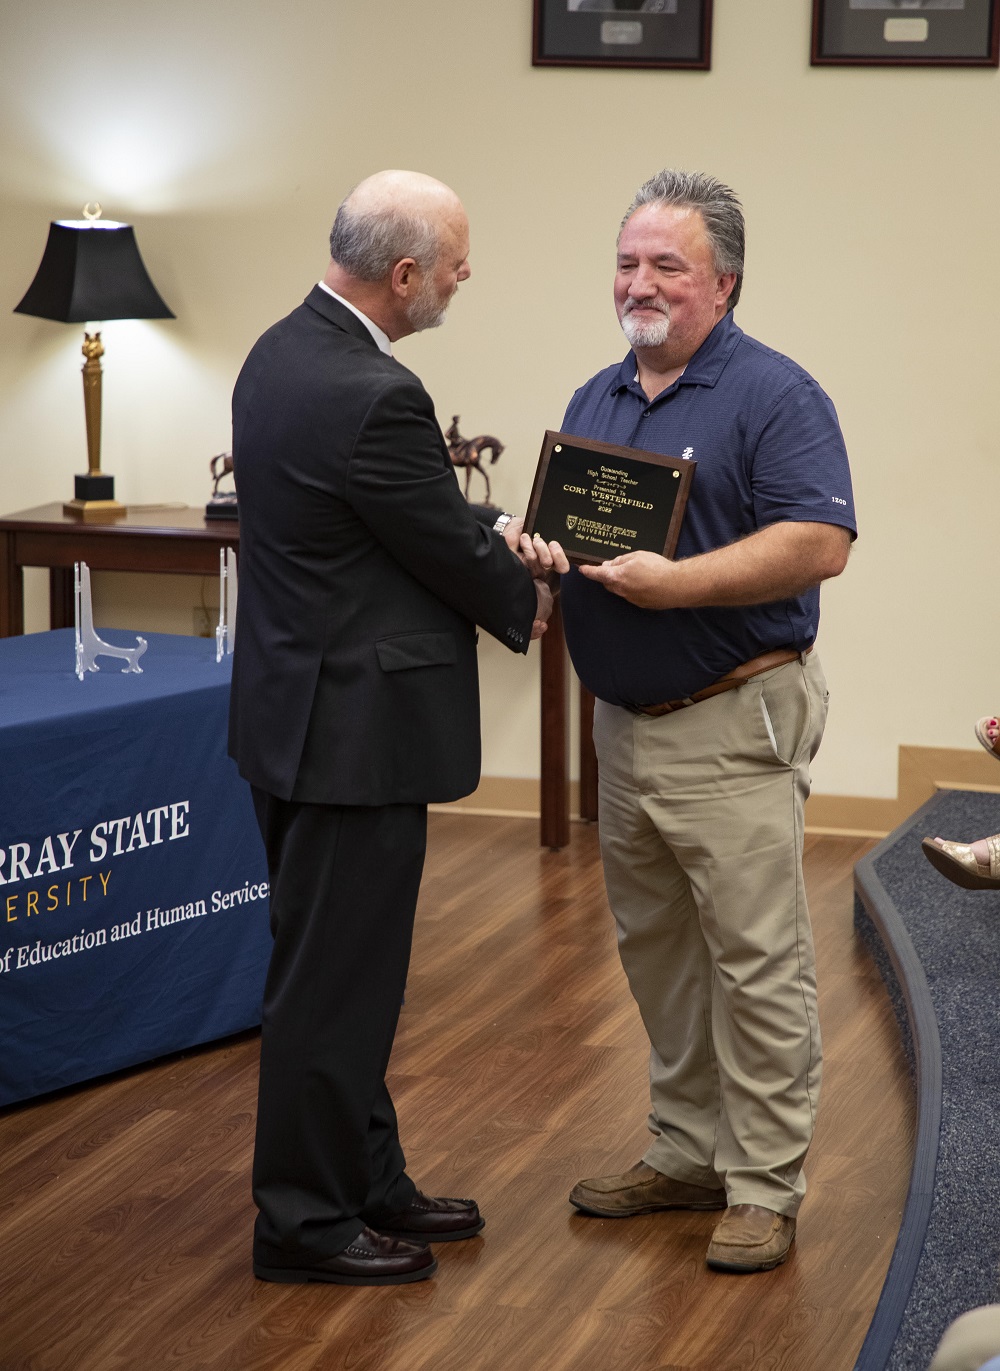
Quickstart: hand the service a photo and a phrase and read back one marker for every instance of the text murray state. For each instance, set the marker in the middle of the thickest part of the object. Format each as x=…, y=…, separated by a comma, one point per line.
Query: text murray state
x=25, y=861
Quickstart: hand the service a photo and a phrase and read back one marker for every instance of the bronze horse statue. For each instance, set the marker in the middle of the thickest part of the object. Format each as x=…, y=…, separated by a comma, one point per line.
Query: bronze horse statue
x=219, y=471
x=467, y=452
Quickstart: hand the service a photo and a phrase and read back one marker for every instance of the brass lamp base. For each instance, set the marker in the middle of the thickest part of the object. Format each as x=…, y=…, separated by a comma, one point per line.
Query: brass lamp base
x=95, y=511
x=95, y=499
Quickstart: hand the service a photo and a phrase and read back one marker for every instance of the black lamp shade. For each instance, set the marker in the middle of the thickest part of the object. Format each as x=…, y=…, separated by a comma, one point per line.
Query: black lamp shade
x=91, y=272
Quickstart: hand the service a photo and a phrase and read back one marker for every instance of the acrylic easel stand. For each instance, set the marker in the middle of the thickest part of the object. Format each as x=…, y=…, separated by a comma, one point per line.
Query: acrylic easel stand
x=225, y=634
x=88, y=646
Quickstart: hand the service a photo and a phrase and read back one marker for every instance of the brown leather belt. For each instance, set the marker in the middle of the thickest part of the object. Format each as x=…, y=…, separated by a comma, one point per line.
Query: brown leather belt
x=739, y=675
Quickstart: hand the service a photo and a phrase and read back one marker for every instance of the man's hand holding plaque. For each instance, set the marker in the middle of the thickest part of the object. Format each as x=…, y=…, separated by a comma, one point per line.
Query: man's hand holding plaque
x=642, y=578
x=778, y=562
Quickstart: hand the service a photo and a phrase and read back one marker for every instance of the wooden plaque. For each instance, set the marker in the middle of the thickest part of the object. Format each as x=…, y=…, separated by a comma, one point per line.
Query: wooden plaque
x=599, y=500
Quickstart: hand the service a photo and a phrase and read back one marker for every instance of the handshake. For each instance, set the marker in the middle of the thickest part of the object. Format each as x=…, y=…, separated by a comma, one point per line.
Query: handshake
x=544, y=560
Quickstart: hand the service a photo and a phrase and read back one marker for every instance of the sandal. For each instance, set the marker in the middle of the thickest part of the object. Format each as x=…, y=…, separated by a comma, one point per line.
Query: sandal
x=992, y=746
x=957, y=862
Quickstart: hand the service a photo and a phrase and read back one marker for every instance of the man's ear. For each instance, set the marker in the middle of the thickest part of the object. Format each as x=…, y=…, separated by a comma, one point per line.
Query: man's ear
x=404, y=277
x=725, y=285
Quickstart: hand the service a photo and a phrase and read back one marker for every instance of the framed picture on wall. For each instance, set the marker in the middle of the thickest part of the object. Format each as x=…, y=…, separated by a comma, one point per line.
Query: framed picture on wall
x=623, y=33
x=906, y=33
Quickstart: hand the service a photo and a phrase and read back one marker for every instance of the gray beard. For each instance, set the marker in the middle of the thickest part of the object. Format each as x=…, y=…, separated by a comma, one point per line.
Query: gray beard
x=642, y=335
x=425, y=310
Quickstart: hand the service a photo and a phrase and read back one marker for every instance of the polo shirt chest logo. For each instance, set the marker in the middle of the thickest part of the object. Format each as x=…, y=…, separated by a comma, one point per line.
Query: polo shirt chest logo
x=688, y=454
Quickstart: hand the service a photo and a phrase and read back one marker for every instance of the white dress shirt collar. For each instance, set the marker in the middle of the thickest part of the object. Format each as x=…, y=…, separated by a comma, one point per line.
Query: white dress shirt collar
x=382, y=339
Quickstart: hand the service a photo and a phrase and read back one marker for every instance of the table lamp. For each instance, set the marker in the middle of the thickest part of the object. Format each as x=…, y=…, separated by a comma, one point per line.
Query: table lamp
x=91, y=270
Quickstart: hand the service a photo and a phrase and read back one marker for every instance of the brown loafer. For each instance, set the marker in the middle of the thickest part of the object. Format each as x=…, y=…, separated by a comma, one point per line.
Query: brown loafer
x=432, y=1218
x=641, y=1190
x=371, y=1259
x=749, y=1237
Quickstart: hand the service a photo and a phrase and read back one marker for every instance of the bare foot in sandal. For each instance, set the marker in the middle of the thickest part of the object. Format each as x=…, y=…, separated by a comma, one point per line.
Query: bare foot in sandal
x=973, y=866
x=988, y=733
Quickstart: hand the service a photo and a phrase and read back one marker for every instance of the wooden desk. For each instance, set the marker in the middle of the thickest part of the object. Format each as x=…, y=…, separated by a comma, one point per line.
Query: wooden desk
x=184, y=541
x=168, y=540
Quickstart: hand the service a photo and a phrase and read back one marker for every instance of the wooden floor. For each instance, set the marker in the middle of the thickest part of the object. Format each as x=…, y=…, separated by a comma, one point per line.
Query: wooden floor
x=520, y=1065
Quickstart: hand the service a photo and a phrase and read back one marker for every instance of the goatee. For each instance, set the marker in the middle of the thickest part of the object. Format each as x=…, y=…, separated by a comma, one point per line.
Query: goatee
x=643, y=334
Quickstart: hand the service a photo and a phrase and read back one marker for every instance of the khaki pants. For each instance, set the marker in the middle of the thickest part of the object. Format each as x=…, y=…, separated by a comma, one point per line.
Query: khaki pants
x=701, y=815
x=970, y=1341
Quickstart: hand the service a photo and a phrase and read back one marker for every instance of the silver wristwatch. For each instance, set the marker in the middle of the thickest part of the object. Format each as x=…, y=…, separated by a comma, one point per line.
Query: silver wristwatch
x=502, y=523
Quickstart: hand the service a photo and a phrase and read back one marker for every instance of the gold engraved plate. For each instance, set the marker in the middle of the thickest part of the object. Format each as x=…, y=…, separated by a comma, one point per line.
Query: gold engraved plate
x=625, y=33
x=906, y=30
x=907, y=4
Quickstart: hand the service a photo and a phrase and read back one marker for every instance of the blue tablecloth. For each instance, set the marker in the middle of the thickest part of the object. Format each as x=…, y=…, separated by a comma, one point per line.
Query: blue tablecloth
x=133, y=887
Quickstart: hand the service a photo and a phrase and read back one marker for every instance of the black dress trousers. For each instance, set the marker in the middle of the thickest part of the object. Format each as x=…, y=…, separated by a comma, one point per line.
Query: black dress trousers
x=344, y=884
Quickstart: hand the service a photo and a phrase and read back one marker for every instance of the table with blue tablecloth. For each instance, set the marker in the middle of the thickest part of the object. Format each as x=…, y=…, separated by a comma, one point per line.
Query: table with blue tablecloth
x=133, y=886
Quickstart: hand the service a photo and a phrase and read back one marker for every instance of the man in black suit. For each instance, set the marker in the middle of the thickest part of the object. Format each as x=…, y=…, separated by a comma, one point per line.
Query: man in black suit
x=355, y=703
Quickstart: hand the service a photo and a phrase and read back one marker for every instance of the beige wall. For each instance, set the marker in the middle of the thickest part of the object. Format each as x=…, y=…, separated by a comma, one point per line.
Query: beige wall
x=227, y=134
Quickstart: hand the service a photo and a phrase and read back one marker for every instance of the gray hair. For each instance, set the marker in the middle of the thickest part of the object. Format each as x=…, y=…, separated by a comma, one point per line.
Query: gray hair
x=368, y=243
x=718, y=207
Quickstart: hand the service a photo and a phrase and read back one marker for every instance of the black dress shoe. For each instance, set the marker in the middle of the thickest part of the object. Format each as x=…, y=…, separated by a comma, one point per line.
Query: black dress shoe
x=430, y=1218
x=371, y=1259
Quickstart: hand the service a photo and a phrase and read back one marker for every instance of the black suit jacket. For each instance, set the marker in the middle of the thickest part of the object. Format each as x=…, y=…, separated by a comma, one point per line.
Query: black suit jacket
x=362, y=576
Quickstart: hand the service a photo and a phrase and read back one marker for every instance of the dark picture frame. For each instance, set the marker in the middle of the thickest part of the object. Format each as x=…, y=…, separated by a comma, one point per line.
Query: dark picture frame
x=670, y=34
x=590, y=494
x=906, y=33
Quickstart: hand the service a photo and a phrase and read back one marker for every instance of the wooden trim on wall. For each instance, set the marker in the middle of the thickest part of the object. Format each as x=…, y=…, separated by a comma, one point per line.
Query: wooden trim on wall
x=921, y=772
x=509, y=797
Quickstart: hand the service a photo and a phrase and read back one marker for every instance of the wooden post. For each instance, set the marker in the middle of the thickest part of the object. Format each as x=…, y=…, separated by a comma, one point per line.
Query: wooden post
x=11, y=589
x=588, y=758
x=61, y=602
x=555, y=728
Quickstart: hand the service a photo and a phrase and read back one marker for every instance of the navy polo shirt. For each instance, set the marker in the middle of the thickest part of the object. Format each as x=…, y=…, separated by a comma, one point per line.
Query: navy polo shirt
x=768, y=446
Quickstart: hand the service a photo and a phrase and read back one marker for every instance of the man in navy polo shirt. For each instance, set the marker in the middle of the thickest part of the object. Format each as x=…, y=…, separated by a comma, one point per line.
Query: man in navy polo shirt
x=710, y=705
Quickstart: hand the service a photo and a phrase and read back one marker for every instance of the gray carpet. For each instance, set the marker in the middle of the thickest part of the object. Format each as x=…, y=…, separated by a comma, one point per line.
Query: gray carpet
x=955, y=935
